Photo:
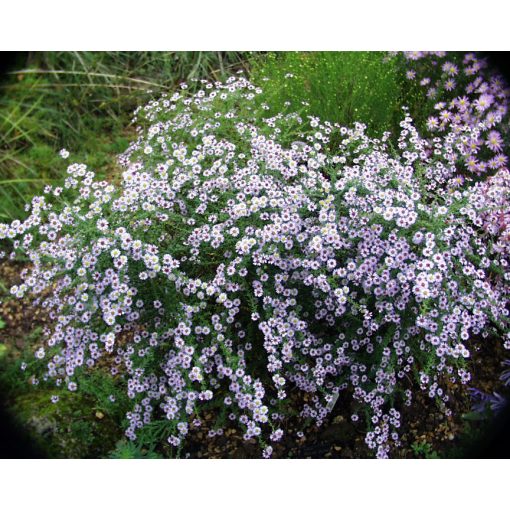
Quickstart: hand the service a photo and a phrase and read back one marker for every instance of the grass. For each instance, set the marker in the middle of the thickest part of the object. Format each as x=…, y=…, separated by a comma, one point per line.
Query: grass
x=341, y=87
x=83, y=101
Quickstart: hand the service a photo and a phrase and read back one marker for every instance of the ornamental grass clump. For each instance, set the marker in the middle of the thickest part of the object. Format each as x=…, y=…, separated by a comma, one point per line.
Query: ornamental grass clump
x=462, y=90
x=240, y=260
x=343, y=87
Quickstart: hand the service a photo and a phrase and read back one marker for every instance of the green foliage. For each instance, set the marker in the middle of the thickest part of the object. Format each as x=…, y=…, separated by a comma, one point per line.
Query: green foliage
x=341, y=87
x=98, y=386
x=14, y=381
x=129, y=450
x=424, y=450
x=69, y=428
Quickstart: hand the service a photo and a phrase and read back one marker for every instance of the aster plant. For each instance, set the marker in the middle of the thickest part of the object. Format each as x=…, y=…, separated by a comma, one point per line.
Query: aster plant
x=241, y=259
x=462, y=90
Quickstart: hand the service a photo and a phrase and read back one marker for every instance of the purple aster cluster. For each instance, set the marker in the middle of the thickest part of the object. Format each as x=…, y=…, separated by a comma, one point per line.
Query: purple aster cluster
x=464, y=91
x=241, y=259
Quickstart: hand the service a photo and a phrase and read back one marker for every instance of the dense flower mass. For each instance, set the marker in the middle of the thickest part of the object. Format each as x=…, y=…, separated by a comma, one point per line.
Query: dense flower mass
x=465, y=92
x=241, y=258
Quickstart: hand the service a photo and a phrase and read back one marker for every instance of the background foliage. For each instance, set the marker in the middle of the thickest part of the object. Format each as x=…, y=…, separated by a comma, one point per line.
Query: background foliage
x=341, y=87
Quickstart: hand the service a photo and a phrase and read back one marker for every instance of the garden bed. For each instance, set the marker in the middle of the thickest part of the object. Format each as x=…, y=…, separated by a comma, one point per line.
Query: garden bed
x=256, y=253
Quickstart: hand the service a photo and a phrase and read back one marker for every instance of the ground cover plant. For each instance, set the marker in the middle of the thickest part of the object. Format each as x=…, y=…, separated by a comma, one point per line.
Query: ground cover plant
x=258, y=264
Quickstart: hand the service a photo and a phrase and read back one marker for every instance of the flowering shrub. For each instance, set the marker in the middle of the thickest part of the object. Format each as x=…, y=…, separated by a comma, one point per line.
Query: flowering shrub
x=241, y=258
x=464, y=91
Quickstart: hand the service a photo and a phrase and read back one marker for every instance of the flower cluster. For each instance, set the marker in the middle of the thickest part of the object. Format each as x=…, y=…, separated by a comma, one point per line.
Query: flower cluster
x=464, y=91
x=233, y=267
